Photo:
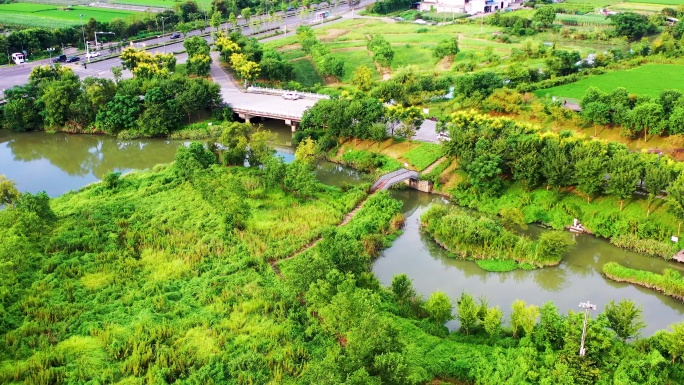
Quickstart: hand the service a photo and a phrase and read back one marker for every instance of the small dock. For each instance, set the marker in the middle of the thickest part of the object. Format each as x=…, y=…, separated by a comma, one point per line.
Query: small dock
x=679, y=257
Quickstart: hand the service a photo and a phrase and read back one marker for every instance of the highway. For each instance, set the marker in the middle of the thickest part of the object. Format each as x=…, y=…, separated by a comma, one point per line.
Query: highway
x=14, y=75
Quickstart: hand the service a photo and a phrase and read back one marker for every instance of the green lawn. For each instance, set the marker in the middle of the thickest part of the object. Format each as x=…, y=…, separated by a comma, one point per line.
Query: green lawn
x=305, y=73
x=659, y=2
x=51, y=16
x=151, y=3
x=649, y=79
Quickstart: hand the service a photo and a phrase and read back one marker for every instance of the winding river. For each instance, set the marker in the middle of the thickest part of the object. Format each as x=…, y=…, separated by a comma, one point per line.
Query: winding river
x=57, y=163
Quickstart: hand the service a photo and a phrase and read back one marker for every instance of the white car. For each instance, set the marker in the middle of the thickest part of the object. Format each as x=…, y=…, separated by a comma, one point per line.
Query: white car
x=291, y=96
x=92, y=55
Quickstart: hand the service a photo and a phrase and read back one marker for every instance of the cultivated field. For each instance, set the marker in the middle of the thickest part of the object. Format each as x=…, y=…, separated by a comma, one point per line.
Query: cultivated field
x=649, y=79
x=413, y=45
x=150, y=3
x=52, y=16
x=659, y=2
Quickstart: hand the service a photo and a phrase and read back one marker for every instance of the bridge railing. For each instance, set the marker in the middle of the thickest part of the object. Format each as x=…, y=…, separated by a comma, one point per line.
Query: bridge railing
x=275, y=91
x=267, y=114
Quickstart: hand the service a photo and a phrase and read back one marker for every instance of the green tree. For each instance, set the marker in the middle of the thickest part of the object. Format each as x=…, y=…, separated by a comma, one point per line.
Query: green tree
x=591, y=160
x=657, y=177
x=551, y=329
x=199, y=65
x=234, y=139
x=624, y=171
x=8, y=191
x=438, y=306
x=260, y=148
x=307, y=152
x=674, y=341
x=214, y=21
x=196, y=45
x=467, y=312
x=556, y=165
x=544, y=16
x=300, y=179
x=647, y=117
x=492, y=321
x=675, y=124
x=447, y=47
x=485, y=174
x=553, y=244
x=192, y=158
x=523, y=317
x=629, y=24
x=598, y=113
x=562, y=63
x=121, y=113
x=625, y=318
x=675, y=199
x=363, y=78
x=402, y=287
x=246, y=14
x=233, y=21
x=381, y=49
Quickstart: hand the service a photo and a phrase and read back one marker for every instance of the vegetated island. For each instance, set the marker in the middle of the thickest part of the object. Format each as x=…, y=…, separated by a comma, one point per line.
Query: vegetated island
x=471, y=235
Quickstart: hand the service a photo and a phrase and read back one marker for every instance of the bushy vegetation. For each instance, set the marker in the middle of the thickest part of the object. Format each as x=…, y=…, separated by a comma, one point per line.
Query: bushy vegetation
x=154, y=103
x=423, y=155
x=670, y=282
x=476, y=236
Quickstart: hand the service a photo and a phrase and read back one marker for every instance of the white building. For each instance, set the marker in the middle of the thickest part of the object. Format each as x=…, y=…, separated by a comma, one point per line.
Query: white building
x=464, y=6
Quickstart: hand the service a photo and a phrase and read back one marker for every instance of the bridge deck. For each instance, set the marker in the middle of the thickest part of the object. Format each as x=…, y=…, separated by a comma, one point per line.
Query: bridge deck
x=388, y=180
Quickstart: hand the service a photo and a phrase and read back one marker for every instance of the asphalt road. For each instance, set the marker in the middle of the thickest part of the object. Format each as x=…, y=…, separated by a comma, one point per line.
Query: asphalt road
x=11, y=76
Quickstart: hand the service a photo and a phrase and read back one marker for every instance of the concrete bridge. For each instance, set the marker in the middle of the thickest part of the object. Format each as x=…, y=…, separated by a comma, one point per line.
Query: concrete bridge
x=259, y=102
x=402, y=175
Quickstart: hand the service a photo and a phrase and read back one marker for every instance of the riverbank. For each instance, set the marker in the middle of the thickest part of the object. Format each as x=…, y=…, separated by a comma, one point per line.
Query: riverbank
x=669, y=283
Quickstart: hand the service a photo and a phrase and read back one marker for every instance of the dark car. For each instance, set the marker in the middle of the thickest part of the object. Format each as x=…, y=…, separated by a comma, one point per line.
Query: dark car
x=60, y=59
x=175, y=35
x=72, y=59
x=290, y=9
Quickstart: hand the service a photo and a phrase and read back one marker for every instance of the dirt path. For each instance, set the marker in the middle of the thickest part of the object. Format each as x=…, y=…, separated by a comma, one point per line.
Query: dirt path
x=348, y=217
x=433, y=165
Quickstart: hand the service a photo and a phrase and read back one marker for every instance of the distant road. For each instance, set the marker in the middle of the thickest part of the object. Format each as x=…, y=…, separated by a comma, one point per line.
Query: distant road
x=11, y=76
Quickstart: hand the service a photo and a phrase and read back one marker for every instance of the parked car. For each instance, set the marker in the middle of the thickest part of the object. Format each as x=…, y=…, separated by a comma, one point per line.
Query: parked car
x=59, y=59
x=72, y=59
x=92, y=55
x=176, y=35
x=291, y=96
x=290, y=9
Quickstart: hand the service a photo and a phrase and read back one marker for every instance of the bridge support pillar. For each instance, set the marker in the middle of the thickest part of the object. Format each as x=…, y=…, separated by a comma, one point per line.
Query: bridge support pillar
x=245, y=116
x=420, y=185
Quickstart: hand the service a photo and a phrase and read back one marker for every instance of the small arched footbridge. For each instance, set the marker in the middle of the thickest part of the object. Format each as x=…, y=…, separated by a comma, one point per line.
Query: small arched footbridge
x=388, y=180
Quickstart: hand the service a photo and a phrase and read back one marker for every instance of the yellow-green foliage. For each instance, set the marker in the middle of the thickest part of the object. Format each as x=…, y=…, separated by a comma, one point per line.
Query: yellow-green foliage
x=144, y=280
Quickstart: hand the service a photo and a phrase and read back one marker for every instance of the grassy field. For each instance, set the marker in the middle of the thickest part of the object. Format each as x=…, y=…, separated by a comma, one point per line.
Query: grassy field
x=150, y=3
x=51, y=16
x=659, y=2
x=649, y=79
x=645, y=6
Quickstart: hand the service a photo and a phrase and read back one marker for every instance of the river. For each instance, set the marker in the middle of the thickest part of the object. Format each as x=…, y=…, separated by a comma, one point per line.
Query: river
x=58, y=163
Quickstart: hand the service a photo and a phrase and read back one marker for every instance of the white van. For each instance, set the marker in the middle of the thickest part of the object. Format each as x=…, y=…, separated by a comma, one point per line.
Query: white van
x=291, y=96
x=18, y=58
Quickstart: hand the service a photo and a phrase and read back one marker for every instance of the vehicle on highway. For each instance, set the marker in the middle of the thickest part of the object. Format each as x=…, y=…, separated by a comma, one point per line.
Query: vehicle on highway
x=291, y=96
x=60, y=59
x=175, y=35
x=18, y=58
x=92, y=55
x=72, y=59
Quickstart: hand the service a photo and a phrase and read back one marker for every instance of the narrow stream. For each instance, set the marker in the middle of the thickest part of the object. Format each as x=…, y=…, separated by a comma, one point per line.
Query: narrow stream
x=575, y=280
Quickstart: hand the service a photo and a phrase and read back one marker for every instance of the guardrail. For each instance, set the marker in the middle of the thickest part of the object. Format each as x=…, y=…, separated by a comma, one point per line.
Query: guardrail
x=266, y=114
x=276, y=91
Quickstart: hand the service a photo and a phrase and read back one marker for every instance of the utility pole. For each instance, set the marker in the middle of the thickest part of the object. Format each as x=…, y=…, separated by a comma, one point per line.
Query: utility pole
x=164, y=18
x=586, y=306
x=84, y=40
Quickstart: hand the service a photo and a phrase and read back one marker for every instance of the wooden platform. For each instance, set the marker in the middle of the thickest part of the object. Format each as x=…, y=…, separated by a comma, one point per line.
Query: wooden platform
x=679, y=257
